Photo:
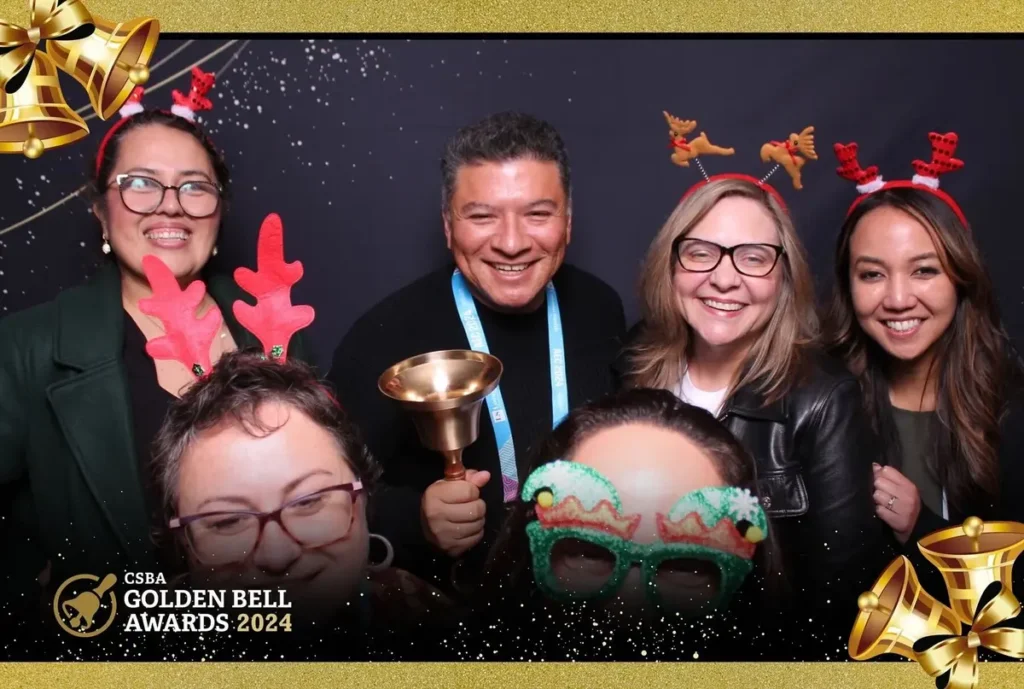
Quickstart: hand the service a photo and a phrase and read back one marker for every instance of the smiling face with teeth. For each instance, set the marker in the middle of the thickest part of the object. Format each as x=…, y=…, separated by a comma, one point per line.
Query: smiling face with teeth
x=171, y=157
x=902, y=294
x=724, y=308
x=508, y=228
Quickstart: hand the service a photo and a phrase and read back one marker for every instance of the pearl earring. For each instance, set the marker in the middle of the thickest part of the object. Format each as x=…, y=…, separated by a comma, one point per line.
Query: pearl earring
x=106, y=246
x=214, y=251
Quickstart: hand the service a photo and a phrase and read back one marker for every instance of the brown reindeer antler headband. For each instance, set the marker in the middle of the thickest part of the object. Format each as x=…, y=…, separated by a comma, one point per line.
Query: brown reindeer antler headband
x=790, y=154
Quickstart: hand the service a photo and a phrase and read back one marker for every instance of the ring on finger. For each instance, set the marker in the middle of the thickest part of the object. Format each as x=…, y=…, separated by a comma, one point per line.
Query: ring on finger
x=888, y=505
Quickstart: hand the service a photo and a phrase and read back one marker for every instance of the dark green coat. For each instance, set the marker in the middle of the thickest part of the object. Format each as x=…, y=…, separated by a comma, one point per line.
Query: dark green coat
x=68, y=471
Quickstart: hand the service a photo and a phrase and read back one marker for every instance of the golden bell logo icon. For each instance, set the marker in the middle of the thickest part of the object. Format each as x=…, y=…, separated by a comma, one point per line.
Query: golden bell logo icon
x=896, y=613
x=80, y=614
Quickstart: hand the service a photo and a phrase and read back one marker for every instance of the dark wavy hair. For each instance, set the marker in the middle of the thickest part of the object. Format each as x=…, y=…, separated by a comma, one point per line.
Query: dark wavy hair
x=235, y=389
x=508, y=572
x=976, y=368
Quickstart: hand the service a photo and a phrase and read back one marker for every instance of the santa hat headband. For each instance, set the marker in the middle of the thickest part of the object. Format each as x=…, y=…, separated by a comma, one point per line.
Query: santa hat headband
x=790, y=154
x=185, y=106
x=869, y=181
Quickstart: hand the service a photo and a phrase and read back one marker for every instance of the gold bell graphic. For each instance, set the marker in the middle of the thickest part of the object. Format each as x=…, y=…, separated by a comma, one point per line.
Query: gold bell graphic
x=36, y=116
x=972, y=556
x=976, y=562
x=111, y=62
x=896, y=613
x=81, y=609
x=107, y=58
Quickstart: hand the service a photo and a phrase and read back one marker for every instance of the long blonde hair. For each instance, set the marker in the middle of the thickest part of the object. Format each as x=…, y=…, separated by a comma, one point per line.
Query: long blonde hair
x=776, y=360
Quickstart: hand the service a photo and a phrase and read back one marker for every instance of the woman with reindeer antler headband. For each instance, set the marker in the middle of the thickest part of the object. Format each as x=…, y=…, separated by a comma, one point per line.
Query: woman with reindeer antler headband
x=914, y=315
x=80, y=399
x=728, y=325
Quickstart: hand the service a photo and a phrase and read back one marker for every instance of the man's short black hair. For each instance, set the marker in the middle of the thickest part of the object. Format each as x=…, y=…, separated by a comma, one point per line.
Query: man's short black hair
x=499, y=138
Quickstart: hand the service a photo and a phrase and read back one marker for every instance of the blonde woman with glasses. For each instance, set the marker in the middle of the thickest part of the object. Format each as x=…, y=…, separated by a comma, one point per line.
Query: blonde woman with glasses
x=729, y=325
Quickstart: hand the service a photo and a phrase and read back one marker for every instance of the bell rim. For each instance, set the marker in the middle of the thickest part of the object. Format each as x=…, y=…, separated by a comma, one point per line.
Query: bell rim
x=50, y=142
x=957, y=531
x=145, y=55
x=489, y=360
x=864, y=616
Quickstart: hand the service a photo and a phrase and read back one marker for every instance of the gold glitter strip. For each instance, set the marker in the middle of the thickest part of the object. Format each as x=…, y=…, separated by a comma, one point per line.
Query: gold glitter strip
x=483, y=675
x=559, y=15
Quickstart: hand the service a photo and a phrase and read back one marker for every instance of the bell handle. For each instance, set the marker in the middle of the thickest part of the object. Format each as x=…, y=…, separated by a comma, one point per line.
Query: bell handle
x=453, y=469
x=105, y=585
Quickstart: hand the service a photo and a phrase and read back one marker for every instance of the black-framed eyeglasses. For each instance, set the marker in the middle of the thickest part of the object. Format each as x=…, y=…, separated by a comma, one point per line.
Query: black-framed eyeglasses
x=701, y=256
x=143, y=195
x=313, y=521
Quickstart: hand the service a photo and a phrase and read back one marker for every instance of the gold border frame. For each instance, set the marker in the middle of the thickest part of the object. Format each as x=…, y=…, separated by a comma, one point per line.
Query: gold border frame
x=471, y=675
x=559, y=15
x=177, y=16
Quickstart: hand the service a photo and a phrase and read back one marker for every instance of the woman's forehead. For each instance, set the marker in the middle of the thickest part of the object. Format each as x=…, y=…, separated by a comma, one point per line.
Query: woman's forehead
x=650, y=467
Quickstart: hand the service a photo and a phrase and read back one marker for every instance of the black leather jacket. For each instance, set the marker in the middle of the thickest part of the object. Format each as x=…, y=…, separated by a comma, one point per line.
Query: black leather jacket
x=813, y=451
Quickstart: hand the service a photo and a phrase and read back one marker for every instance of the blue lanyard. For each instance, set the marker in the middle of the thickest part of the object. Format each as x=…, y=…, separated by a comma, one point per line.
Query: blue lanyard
x=495, y=404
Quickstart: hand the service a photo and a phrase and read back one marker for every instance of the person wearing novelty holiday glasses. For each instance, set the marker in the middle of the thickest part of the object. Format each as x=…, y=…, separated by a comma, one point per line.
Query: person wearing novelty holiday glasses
x=915, y=316
x=634, y=508
x=729, y=324
x=80, y=398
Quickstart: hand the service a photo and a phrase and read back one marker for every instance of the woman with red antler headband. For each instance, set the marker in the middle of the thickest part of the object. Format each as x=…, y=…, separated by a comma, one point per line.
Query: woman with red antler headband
x=80, y=397
x=915, y=317
x=729, y=325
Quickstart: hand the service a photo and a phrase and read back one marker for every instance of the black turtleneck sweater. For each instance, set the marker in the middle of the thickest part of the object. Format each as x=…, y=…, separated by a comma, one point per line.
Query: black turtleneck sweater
x=422, y=317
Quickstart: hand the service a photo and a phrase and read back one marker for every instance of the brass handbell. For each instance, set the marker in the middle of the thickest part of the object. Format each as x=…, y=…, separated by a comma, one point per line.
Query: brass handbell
x=444, y=392
x=36, y=116
x=111, y=62
x=972, y=556
x=895, y=613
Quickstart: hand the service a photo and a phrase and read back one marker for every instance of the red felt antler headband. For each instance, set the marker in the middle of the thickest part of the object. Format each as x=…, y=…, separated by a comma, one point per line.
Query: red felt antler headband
x=273, y=320
x=184, y=106
x=791, y=155
x=869, y=181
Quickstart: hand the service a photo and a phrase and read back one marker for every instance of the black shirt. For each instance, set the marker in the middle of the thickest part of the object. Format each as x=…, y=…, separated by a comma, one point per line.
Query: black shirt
x=150, y=403
x=422, y=317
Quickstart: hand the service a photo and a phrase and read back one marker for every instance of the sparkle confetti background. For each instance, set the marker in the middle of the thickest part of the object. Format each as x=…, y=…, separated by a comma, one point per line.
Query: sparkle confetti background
x=342, y=137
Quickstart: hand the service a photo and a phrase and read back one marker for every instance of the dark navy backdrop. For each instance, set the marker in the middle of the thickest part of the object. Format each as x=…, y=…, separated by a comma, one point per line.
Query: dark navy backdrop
x=342, y=138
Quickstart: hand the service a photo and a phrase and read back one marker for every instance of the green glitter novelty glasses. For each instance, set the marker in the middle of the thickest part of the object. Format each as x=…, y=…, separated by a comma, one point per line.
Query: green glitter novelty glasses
x=582, y=547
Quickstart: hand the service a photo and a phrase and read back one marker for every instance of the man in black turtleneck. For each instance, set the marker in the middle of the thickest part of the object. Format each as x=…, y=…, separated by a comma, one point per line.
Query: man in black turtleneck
x=507, y=211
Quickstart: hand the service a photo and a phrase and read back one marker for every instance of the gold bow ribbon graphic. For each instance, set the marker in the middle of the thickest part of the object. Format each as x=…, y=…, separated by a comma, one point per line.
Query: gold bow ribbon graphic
x=953, y=660
x=52, y=20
